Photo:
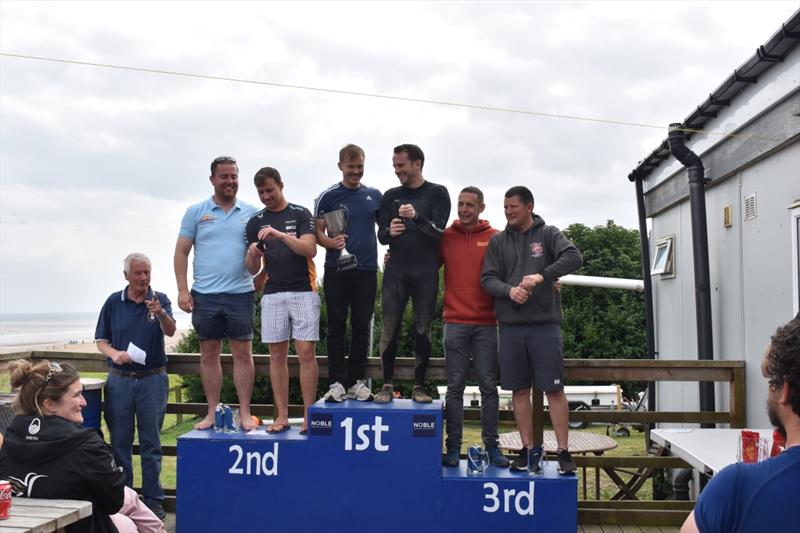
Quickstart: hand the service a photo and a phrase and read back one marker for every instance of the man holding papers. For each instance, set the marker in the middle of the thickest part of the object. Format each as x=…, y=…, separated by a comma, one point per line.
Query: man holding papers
x=130, y=333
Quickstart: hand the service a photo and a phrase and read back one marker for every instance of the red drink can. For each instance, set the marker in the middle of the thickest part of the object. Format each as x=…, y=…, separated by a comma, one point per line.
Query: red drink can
x=5, y=498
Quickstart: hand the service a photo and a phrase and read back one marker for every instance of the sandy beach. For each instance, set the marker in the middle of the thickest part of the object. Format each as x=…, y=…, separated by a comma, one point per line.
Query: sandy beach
x=85, y=346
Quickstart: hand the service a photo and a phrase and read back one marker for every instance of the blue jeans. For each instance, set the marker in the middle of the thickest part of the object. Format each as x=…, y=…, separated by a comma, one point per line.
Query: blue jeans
x=145, y=399
x=462, y=342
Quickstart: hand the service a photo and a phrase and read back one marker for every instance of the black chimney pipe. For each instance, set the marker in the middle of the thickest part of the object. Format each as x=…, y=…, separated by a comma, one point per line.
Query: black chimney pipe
x=702, y=279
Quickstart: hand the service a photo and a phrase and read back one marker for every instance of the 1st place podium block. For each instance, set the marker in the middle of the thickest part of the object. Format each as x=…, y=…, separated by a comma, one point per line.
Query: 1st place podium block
x=362, y=467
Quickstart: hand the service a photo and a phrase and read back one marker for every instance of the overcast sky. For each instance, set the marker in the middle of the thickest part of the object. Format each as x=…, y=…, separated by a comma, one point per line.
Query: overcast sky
x=97, y=162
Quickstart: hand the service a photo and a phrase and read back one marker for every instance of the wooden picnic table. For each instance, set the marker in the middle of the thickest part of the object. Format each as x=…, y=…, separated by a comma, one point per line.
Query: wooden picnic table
x=36, y=515
x=581, y=442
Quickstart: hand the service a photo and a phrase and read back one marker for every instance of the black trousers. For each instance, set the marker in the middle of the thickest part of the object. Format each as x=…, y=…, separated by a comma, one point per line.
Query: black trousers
x=421, y=284
x=353, y=291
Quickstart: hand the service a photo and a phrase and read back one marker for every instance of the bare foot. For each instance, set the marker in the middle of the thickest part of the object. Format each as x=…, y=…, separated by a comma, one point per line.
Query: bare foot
x=247, y=422
x=206, y=423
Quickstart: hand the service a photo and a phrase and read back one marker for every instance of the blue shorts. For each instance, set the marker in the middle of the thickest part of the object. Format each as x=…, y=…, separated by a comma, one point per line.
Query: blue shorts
x=223, y=315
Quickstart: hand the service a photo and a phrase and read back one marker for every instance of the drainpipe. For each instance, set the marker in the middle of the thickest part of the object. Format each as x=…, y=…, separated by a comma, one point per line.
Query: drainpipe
x=648, y=295
x=702, y=279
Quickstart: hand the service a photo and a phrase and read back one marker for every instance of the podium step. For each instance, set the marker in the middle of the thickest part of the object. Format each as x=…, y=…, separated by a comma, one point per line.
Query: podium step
x=502, y=500
x=362, y=467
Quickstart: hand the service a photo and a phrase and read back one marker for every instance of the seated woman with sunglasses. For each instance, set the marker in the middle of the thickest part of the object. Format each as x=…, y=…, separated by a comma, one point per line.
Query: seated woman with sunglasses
x=48, y=454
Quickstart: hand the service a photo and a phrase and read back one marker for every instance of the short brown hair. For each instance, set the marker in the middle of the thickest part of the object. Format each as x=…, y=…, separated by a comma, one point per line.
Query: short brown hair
x=39, y=381
x=267, y=173
x=349, y=152
x=474, y=190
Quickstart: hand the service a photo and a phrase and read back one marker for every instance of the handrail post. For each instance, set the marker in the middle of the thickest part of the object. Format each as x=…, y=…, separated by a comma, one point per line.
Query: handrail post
x=738, y=401
x=179, y=399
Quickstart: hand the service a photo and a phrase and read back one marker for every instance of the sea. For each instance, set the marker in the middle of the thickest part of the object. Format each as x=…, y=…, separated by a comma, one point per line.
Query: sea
x=19, y=330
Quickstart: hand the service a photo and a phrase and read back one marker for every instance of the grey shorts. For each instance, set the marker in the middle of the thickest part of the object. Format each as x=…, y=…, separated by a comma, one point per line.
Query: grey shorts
x=531, y=348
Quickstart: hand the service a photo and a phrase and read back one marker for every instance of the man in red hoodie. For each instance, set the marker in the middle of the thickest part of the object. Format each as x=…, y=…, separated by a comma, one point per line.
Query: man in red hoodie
x=470, y=328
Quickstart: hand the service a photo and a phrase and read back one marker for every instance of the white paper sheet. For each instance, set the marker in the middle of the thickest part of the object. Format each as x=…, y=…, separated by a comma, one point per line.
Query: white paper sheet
x=136, y=354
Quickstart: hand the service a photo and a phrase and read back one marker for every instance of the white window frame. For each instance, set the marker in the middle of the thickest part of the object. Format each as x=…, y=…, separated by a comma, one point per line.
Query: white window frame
x=666, y=267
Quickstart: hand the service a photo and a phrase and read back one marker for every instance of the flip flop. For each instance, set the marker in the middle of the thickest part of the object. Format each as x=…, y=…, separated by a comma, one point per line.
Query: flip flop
x=304, y=432
x=278, y=427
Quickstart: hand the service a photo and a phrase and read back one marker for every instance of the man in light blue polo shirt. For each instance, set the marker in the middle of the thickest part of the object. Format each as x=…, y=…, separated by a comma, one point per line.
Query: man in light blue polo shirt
x=222, y=299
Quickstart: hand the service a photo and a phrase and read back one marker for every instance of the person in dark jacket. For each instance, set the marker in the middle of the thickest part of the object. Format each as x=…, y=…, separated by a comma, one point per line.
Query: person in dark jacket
x=48, y=454
x=520, y=268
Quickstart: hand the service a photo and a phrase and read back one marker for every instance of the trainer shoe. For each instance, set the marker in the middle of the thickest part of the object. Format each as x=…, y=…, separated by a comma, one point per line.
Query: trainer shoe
x=496, y=457
x=535, y=461
x=360, y=391
x=420, y=396
x=451, y=458
x=385, y=395
x=520, y=462
x=566, y=465
x=336, y=393
x=157, y=509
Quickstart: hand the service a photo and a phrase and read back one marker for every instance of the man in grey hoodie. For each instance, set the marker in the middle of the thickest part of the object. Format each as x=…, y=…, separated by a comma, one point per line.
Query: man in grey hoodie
x=519, y=270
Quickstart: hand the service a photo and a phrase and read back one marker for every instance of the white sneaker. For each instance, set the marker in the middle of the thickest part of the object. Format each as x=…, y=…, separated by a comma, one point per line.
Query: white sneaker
x=336, y=393
x=360, y=392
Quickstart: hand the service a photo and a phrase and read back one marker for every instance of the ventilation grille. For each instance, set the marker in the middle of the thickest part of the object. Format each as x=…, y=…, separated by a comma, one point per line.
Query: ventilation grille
x=750, y=207
x=727, y=216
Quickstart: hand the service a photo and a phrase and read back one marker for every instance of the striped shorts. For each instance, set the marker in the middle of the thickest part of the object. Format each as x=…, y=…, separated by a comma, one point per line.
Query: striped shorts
x=290, y=313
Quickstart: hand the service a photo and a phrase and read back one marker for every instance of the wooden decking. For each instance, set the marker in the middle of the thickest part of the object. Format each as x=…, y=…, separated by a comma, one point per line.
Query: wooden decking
x=169, y=523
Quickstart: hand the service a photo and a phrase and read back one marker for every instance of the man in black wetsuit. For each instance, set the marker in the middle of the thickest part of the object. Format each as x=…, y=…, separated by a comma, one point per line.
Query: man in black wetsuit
x=411, y=219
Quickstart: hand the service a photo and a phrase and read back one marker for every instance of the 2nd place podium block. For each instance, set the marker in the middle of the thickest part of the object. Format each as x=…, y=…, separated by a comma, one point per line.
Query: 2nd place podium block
x=362, y=467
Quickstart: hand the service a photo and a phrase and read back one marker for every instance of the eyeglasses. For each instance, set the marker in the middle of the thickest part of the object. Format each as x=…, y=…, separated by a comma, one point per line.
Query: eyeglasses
x=222, y=159
x=54, y=368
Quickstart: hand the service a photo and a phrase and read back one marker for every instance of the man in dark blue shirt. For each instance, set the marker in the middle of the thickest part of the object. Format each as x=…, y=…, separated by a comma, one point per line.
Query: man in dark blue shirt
x=354, y=287
x=130, y=333
x=411, y=220
x=762, y=496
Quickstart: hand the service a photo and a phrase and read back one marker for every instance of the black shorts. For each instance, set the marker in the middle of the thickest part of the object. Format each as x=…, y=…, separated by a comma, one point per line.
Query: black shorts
x=531, y=348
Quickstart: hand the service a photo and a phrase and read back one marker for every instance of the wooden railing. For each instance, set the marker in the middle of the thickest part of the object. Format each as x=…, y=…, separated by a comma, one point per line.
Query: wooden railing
x=616, y=370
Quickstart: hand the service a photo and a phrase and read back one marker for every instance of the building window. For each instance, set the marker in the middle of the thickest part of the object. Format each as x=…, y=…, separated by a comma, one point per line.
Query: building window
x=663, y=263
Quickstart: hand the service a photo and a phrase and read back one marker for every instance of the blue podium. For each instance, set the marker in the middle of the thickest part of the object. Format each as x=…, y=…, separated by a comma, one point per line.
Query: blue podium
x=362, y=467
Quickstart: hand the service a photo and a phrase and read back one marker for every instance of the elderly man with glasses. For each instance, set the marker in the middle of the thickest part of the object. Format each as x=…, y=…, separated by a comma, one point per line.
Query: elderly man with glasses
x=130, y=333
x=222, y=299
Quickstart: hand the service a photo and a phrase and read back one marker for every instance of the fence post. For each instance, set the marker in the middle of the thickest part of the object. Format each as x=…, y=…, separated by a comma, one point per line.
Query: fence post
x=738, y=401
x=179, y=399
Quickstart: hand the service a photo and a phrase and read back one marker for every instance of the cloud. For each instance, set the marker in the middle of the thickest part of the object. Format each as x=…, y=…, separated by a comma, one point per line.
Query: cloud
x=98, y=162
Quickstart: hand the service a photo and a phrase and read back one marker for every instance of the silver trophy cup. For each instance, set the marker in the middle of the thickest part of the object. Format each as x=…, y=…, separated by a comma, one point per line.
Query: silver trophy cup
x=336, y=223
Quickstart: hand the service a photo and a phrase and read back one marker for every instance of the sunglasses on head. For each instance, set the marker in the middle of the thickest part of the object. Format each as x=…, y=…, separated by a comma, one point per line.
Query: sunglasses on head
x=54, y=368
